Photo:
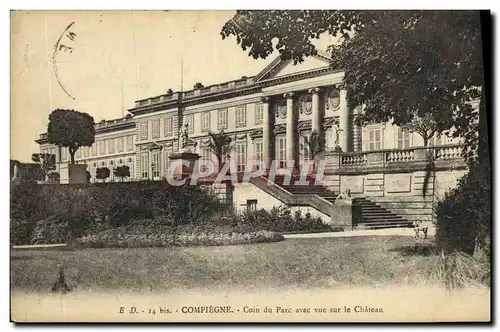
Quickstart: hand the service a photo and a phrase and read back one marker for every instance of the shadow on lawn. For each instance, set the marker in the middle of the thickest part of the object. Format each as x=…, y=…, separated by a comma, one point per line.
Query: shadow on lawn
x=418, y=249
x=21, y=258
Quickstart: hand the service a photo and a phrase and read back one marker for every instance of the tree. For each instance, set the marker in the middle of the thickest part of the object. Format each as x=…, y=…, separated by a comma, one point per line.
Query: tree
x=122, y=172
x=46, y=161
x=314, y=145
x=102, y=173
x=425, y=126
x=220, y=146
x=71, y=129
x=397, y=65
x=89, y=176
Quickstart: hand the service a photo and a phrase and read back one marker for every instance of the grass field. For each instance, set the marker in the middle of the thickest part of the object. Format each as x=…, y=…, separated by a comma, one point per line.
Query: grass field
x=290, y=264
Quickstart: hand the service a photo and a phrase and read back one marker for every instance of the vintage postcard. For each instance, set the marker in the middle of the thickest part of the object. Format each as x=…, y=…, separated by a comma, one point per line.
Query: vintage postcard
x=250, y=166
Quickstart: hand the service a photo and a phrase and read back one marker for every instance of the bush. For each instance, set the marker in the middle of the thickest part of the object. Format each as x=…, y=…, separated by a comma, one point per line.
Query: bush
x=280, y=219
x=150, y=233
x=463, y=217
x=79, y=208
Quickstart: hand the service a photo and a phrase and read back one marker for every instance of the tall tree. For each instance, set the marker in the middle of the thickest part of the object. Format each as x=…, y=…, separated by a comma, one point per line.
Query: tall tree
x=122, y=172
x=220, y=146
x=46, y=161
x=397, y=64
x=71, y=129
x=314, y=145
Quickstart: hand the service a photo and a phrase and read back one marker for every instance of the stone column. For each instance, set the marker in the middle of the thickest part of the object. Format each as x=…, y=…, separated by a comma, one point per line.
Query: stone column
x=356, y=132
x=290, y=130
x=316, y=115
x=266, y=132
x=345, y=122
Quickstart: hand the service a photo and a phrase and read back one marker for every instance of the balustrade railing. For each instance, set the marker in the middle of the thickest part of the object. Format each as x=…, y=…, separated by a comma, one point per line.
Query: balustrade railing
x=399, y=156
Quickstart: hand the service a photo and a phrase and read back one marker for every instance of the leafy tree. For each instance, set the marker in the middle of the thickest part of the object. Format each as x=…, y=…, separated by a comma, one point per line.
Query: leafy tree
x=89, y=176
x=425, y=126
x=46, y=161
x=122, y=172
x=315, y=145
x=397, y=64
x=220, y=146
x=102, y=173
x=71, y=129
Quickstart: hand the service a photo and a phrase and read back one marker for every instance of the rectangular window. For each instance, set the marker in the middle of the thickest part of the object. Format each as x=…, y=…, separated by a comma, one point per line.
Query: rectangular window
x=305, y=153
x=167, y=152
x=102, y=147
x=222, y=119
x=130, y=143
x=143, y=131
x=119, y=144
x=78, y=153
x=169, y=126
x=241, y=116
x=206, y=157
x=259, y=113
x=156, y=128
x=189, y=119
x=281, y=152
x=374, y=139
x=251, y=205
x=85, y=151
x=145, y=165
x=205, y=121
x=94, y=149
x=259, y=152
x=64, y=154
x=111, y=145
x=403, y=138
x=241, y=156
x=155, y=164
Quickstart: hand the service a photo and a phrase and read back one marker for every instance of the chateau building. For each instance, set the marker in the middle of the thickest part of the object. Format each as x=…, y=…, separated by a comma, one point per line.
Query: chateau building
x=268, y=117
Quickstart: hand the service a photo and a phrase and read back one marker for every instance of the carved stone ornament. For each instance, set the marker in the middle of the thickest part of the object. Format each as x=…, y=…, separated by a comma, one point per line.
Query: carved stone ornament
x=306, y=104
x=281, y=109
x=333, y=100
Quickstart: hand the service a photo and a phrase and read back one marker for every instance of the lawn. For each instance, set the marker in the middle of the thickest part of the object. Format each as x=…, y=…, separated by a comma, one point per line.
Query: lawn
x=290, y=264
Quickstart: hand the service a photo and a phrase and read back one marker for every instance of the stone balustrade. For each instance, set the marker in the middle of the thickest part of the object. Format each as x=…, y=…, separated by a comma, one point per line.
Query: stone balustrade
x=444, y=154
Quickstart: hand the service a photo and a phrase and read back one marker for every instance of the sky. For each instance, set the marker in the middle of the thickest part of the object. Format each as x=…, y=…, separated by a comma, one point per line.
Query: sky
x=116, y=58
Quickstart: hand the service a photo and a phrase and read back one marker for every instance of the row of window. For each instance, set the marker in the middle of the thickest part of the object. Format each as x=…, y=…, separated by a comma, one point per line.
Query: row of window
x=222, y=122
x=153, y=166
x=101, y=148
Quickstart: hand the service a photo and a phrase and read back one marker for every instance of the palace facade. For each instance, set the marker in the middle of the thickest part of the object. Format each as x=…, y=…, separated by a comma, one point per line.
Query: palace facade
x=268, y=115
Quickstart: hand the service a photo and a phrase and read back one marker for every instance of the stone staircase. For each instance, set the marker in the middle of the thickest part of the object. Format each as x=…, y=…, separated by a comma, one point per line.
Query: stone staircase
x=373, y=216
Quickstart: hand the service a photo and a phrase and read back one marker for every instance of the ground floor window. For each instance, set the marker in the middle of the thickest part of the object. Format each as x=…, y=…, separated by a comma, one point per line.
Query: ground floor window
x=241, y=156
x=258, y=150
x=144, y=165
x=155, y=163
x=251, y=205
x=281, y=151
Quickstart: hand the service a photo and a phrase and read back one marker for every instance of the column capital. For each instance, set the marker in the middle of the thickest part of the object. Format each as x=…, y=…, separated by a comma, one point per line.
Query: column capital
x=340, y=86
x=289, y=95
x=265, y=99
x=314, y=90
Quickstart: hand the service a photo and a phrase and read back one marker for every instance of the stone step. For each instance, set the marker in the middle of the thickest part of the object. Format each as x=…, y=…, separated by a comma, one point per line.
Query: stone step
x=383, y=225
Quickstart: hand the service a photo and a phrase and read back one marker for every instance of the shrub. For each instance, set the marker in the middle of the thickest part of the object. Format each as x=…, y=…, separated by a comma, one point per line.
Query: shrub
x=280, y=219
x=463, y=217
x=148, y=233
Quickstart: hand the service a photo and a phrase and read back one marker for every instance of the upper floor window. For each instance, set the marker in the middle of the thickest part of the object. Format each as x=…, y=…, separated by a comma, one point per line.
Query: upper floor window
x=241, y=116
x=259, y=113
x=169, y=126
x=102, y=147
x=205, y=121
x=111, y=145
x=143, y=131
x=64, y=154
x=374, y=139
x=403, y=138
x=85, y=151
x=94, y=149
x=119, y=144
x=130, y=143
x=222, y=119
x=156, y=128
x=189, y=119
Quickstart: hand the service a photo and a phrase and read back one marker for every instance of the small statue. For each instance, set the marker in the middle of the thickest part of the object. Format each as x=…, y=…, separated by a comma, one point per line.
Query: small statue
x=337, y=135
x=184, y=137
